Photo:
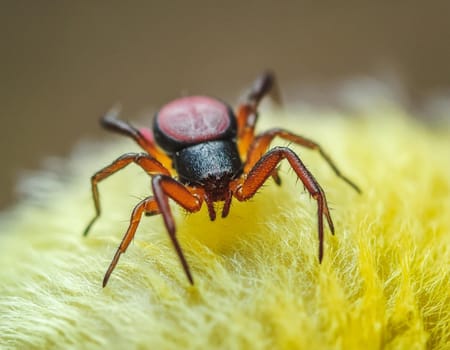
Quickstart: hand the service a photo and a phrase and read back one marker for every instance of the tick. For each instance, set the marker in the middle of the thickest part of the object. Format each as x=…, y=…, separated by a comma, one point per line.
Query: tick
x=200, y=151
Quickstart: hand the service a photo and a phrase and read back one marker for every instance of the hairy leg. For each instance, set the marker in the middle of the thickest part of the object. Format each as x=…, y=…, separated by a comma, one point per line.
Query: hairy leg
x=260, y=172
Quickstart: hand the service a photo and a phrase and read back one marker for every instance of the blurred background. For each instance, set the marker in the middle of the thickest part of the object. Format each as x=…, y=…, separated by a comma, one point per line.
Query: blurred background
x=64, y=63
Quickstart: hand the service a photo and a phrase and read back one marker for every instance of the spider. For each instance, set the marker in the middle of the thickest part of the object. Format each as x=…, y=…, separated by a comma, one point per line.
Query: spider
x=215, y=154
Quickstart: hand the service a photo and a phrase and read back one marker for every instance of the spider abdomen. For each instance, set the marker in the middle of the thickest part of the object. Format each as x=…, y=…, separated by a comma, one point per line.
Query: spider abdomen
x=191, y=120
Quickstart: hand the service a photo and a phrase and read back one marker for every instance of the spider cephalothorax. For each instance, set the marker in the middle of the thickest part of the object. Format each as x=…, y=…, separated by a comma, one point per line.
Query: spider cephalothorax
x=215, y=155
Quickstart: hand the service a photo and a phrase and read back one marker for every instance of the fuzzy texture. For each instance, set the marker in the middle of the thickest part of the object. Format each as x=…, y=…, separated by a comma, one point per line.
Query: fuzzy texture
x=384, y=281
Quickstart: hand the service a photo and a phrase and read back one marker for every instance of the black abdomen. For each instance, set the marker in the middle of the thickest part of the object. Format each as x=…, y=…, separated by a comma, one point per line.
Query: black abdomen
x=208, y=162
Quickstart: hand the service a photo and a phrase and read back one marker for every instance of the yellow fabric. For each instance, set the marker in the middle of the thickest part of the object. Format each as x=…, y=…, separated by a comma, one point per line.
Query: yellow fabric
x=383, y=283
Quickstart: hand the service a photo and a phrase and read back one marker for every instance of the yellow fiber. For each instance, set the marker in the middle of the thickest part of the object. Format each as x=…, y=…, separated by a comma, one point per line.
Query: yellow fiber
x=384, y=281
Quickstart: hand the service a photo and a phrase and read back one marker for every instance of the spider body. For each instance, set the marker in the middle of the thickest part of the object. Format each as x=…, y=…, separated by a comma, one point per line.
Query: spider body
x=211, y=165
x=215, y=155
x=199, y=135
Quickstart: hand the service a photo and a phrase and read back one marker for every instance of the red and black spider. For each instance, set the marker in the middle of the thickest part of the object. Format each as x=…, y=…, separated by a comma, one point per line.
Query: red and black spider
x=215, y=154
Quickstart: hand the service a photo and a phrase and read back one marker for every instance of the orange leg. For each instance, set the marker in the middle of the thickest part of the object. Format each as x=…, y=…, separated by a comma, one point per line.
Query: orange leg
x=143, y=137
x=265, y=167
x=164, y=187
x=149, y=206
x=262, y=141
x=146, y=162
x=247, y=114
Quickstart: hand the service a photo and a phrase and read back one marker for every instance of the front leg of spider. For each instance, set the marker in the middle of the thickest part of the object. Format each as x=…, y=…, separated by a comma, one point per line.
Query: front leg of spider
x=148, y=205
x=164, y=187
x=264, y=169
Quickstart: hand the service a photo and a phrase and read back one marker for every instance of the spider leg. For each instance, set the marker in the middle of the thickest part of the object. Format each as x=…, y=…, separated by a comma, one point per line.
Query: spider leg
x=247, y=114
x=262, y=141
x=164, y=187
x=143, y=137
x=148, y=205
x=264, y=168
x=146, y=162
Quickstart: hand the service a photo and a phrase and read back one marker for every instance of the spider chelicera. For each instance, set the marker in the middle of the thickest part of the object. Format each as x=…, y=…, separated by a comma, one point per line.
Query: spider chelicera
x=216, y=156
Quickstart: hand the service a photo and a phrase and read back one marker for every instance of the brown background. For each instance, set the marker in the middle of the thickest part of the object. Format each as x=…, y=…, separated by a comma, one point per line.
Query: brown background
x=63, y=63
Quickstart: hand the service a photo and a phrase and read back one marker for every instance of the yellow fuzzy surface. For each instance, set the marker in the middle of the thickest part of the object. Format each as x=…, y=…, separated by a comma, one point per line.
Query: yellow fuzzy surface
x=384, y=281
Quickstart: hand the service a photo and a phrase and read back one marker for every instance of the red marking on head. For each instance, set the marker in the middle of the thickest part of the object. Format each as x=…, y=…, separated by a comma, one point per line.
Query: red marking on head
x=194, y=119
